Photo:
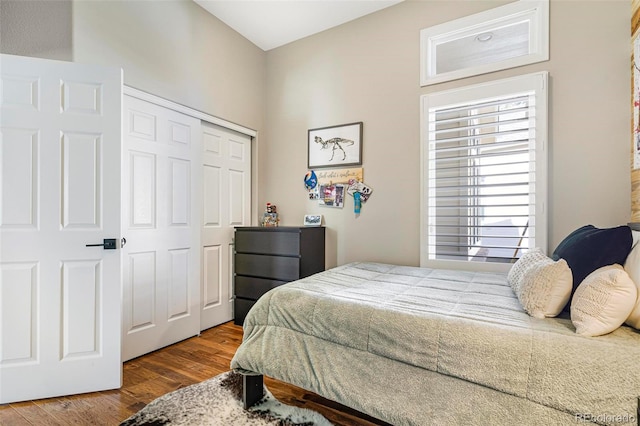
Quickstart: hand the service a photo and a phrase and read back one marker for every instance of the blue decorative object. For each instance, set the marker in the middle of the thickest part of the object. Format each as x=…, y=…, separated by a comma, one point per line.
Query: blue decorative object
x=310, y=180
x=357, y=203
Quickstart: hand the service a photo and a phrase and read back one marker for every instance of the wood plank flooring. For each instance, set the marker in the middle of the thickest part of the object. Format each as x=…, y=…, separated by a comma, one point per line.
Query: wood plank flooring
x=152, y=375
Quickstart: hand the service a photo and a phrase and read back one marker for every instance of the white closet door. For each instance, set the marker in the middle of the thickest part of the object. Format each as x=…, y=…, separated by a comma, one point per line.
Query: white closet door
x=60, y=149
x=226, y=171
x=161, y=220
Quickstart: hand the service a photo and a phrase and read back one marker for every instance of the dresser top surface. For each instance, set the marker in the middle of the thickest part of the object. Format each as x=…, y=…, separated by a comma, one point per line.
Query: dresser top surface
x=276, y=228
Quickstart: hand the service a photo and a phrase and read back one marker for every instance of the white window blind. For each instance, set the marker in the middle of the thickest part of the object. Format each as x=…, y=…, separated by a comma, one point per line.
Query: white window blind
x=484, y=177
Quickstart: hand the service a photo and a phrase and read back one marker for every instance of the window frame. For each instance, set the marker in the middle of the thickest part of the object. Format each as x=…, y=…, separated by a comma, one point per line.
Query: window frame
x=534, y=12
x=536, y=82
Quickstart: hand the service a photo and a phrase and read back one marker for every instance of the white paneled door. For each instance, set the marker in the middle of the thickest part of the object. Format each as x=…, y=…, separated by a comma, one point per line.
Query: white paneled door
x=60, y=159
x=161, y=218
x=227, y=203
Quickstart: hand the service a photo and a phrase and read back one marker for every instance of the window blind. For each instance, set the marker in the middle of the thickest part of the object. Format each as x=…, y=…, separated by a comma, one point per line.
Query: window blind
x=481, y=179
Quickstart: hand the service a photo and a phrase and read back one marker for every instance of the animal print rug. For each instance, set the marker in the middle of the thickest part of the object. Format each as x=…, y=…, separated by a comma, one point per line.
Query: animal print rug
x=218, y=401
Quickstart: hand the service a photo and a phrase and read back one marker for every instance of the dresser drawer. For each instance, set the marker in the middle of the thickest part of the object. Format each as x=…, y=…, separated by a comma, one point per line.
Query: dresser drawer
x=241, y=308
x=274, y=242
x=261, y=265
x=253, y=288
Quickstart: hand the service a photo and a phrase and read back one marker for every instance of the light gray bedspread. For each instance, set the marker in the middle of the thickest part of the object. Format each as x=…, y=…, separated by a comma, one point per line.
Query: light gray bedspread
x=416, y=346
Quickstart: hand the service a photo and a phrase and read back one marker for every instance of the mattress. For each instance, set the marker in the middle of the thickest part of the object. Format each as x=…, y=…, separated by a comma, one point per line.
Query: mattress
x=368, y=335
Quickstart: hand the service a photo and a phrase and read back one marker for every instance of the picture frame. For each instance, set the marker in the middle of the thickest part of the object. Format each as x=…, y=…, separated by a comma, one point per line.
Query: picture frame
x=313, y=220
x=335, y=146
x=332, y=195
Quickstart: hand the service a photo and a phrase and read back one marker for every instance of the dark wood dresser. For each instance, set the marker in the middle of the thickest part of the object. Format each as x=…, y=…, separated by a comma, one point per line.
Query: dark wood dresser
x=266, y=257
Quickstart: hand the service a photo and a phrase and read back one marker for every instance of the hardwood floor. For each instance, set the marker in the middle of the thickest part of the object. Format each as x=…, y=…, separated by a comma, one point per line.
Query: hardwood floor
x=152, y=375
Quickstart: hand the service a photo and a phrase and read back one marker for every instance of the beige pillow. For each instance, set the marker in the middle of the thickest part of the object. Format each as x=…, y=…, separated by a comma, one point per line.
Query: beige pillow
x=603, y=301
x=543, y=286
x=632, y=267
x=528, y=260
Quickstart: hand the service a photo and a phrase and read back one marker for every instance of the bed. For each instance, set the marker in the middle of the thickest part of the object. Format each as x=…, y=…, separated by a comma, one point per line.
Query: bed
x=419, y=346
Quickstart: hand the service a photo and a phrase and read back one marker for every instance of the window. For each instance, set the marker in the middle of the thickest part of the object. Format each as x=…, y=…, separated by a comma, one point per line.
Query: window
x=484, y=173
x=504, y=37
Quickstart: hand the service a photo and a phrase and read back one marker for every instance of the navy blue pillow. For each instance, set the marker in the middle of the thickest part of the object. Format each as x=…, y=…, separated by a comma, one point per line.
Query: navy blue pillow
x=589, y=248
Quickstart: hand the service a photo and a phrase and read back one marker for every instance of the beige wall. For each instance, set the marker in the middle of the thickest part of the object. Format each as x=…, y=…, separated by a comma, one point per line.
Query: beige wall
x=37, y=28
x=175, y=49
x=368, y=70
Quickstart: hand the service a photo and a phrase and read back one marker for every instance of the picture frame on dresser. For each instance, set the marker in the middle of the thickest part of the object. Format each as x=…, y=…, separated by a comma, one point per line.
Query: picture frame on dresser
x=312, y=220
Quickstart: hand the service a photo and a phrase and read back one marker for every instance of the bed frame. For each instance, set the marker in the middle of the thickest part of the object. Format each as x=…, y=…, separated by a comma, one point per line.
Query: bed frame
x=252, y=389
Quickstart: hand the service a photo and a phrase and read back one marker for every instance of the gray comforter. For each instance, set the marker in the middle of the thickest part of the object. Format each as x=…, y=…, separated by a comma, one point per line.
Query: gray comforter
x=423, y=346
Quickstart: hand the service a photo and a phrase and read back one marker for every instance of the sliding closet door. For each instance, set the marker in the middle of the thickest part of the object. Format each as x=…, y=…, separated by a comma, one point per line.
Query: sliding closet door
x=226, y=171
x=162, y=224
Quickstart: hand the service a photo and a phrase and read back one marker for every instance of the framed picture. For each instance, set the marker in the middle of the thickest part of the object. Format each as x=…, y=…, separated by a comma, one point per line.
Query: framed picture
x=312, y=220
x=335, y=146
x=332, y=195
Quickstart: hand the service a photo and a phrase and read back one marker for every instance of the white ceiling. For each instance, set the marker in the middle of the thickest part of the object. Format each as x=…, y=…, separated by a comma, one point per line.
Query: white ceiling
x=272, y=23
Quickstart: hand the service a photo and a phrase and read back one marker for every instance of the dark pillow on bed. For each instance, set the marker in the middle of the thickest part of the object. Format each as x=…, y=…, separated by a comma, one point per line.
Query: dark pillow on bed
x=589, y=248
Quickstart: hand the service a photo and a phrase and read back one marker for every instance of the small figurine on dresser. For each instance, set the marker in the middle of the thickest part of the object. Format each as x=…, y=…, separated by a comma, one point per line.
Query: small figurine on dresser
x=270, y=216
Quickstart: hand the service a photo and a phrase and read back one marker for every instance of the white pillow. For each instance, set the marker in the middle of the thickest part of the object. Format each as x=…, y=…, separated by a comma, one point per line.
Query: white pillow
x=522, y=265
x=543, y=286
x=603, y=301
x=632, y=267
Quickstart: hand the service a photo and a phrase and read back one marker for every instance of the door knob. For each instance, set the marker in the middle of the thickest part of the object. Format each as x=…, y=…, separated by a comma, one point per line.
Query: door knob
x=108, y=244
